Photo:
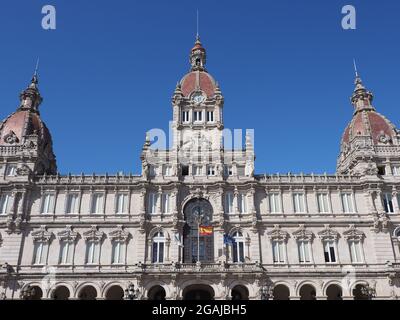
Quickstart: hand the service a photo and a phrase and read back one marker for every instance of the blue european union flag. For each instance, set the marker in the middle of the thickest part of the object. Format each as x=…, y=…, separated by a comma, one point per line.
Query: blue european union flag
x=228, y=239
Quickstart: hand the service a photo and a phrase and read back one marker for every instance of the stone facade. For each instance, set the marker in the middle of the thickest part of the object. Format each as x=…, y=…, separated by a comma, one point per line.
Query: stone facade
x=293, y=236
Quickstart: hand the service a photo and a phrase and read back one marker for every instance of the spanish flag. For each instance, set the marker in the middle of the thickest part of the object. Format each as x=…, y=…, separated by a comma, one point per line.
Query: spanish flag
x=206, y=230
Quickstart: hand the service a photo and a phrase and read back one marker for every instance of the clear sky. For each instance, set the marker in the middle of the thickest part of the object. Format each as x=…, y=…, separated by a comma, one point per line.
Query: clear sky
x=108, y=71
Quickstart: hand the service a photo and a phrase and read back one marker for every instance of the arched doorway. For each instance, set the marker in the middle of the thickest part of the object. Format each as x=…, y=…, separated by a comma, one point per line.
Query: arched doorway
x=240, y=293
x=87, y=293
x=36, y=293
x=198, y=292
x=156, y=293
x=334, y=292
x=61, y=293
x=360, y=292
x=281, y=292
x=197, y=248
x=115, y=293
x=307, y=292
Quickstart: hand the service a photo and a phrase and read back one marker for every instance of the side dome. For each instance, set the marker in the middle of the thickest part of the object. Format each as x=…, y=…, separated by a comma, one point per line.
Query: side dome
x=370, y=123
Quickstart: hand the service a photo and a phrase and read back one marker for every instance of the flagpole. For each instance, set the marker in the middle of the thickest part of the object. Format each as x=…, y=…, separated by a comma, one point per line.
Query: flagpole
x=198, y=240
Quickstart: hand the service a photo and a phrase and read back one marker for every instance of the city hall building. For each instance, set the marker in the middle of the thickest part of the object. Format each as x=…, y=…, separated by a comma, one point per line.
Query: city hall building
x=293, y=236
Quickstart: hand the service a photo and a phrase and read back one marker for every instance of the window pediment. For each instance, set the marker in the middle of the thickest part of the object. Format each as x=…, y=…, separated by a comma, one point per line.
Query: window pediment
x=93, y=234
x=277, y=234
x=119, y=235
x=328, y=234
x=353, y=234
x=303, y=234
x=42, y=235
x=67, y=234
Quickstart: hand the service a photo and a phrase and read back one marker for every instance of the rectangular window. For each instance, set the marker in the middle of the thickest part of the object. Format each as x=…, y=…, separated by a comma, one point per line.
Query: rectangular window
x=278, y=251
x=210, y=116
x=396, y=170
x=153, y=202
x=4, y=200
x=229, y=202
x=329, y=251
x=11, y=170
x=210, y=170
x=47, y=203
x=97, y=203
x=117, y=252
x=66, y=249
x=355, y=251
x=387, y=202
x=185, y=116
x=167, y=171
x=185, y=170
x=348, y=202
x=72, y=205
x=91, y=252
x=228, y=170
x=274, y=202
x=304, y=252
x=299, y=203
x=323, y=202
x=122, y=203
x=165, y=203
x=198, y=116
x=242, y=203
x=158, y=252
x=38, y=253
x=197, y=170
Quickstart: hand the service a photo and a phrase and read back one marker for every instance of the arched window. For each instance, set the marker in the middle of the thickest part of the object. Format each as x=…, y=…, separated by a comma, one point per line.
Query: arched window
x=158, y=247
x=238, y=247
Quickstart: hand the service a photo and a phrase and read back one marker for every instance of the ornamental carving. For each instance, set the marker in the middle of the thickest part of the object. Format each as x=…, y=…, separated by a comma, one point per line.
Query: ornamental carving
x=11, y=138
x=119, y=234
x=93, y=234
x=276, y=234
x=303, y=234
x=353, y=234
x=328, y=234
x=24, y=170
x=67, y=234
x=383, y=138
x=42, y=235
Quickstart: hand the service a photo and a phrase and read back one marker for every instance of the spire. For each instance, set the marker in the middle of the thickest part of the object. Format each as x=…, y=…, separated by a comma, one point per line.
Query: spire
x=361, y=98
x=198, y=56
x=30, y=98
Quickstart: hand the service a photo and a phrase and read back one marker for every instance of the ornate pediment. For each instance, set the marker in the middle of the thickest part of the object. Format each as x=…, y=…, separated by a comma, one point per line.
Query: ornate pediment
x=353, y=234
x=93, y=234
x=328, y=234
x=303, y=234
x=42, y=235
x=119, y=234
x=277, y=234
x=67, y=234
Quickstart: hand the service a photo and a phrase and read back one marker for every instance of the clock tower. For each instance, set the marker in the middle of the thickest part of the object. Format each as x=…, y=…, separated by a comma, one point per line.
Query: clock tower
x=200, y=144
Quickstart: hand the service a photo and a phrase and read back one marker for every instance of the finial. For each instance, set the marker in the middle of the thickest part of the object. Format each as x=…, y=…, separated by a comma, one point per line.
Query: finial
x=197, y=32
x=37, y=67
x=355, y=67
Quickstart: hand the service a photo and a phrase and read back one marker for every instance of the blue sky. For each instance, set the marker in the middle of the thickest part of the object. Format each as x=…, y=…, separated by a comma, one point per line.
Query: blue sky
x=108, y=72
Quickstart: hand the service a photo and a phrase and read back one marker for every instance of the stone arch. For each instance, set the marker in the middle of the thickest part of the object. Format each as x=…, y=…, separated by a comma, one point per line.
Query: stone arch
x=192, y=283
x=114, y=292
x=156, y=229
x=161, y=284
x=306, y=282
x=240, y=292
x=61, y=292
x=37, y=292
x=156, y=293
x=331, y=282
x=396, y=232
x=355, y=290
x=334, y=292
x=82, y=286
x=307, y=291
x=250, y=288
x=281, y=292
x=106, y=287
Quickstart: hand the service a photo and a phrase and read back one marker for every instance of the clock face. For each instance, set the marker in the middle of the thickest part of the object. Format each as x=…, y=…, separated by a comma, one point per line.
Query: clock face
x=198, y=97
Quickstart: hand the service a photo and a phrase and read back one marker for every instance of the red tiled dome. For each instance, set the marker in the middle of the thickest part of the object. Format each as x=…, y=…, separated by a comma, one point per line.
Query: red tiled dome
x=198, y=79
x=369, y=123
x=23, y=123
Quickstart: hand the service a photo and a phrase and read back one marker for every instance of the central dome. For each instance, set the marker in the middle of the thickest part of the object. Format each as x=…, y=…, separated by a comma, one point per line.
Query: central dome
x=198, y=80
